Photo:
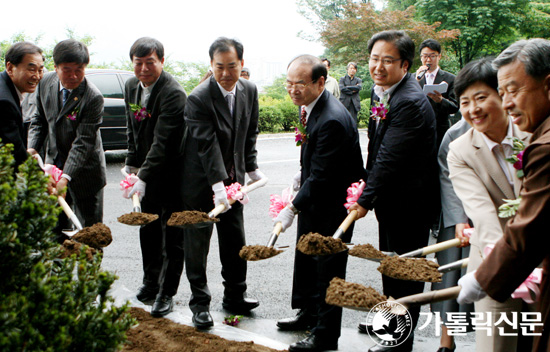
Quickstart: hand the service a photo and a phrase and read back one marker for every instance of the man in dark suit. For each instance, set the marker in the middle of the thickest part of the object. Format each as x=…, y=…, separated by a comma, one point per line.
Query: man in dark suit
x=330, y=162
x=222, y=117
x=401, y=164
x=155, y=137
x=350, y=85
x=69, y=113
x=24, y=69
x=430, y=73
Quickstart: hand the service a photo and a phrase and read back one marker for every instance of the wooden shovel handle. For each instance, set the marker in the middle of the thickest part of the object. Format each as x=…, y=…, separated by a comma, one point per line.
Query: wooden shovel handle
x=275, y=234
x=438, y=247
x=69, y=212
x=429, y=297
x=352, y=216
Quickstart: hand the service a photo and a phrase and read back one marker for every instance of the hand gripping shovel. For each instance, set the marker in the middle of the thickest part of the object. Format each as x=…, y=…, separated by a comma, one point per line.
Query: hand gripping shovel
x=136, y=218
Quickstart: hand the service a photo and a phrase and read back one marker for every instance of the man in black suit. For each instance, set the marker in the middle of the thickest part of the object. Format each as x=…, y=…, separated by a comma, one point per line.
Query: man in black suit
x=155, y=137
x=69, y=113
x=443, y=104
x=350, y=86
x=24, y=69
x=222, y=117
x=330, y=162
x=401, y=164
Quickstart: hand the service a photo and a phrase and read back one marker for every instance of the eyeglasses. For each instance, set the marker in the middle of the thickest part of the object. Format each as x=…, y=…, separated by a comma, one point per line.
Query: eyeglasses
x=385, y=61
x=430, y=56
x=297, y=86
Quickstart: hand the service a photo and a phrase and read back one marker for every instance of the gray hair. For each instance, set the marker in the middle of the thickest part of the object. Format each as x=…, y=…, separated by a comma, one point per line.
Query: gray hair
x=532, y=53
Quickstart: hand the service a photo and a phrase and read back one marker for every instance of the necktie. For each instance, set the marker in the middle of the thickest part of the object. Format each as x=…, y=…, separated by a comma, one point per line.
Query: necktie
x=65, y=95
x=303, y=116
x=229, y=98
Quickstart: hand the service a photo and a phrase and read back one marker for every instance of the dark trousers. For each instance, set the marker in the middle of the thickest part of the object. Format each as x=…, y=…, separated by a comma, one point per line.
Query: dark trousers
x=231, y=238
x=161, y=250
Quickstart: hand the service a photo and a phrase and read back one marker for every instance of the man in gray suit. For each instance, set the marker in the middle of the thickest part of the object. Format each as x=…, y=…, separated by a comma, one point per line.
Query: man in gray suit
x=69, y=112
x=222, y=117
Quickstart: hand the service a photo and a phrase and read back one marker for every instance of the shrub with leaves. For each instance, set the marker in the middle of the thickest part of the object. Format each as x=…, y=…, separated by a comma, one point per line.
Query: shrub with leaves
x=48, y=304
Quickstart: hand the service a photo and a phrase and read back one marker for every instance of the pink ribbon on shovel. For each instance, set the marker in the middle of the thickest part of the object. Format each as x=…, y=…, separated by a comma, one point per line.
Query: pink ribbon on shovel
x=234, y=191
x=53, y=171
x=127, y=184
x=529, y=288
x=279, y=202
x=354, y=192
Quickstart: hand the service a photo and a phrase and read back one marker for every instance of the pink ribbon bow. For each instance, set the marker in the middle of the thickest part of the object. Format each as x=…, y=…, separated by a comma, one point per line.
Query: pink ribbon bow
x=468, y=232
x=234, y=191
x=354, y=192
x=53, y=171
x=127, y=184
x=279, y=202
x=529, y=290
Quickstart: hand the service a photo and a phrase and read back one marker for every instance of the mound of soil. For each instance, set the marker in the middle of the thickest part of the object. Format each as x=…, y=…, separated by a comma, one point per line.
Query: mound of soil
x=258, y=252
x=417, y=269
x=347, y=294
x=164, y=335
x=135, y=218
x=317, y=244
x=96, y=236
x=366, y=251
x=189, y=217
x=71, y=247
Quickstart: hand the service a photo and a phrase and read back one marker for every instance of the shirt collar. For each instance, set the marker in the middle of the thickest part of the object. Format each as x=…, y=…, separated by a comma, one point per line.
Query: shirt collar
x=149, y=88
x=433, y=74
x=225, y=92
x=508, y=140
x=309, y=108
x=381, y=93
x=20, y=95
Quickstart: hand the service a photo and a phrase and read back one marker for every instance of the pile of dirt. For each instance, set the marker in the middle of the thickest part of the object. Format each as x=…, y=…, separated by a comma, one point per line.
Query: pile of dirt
x=71, y=247
x=417, y=269
x=189, y=217
x=135, y=218
x=317, y=244
x=163, y=335
x=347, y=294
x=258, y=252
x=366, y=251
x=96, y=236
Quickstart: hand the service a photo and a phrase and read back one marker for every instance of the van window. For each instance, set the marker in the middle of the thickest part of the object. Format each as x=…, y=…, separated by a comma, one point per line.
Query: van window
x=108, y=85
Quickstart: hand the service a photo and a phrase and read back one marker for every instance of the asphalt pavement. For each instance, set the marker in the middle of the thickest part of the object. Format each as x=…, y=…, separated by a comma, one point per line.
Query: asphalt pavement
x=269, y=280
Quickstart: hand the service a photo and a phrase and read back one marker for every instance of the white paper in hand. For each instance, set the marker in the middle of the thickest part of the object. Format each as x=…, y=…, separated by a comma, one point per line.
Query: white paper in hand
x=441, y=88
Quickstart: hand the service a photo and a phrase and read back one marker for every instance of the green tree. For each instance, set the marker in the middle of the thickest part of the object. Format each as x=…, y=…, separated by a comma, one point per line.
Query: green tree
x=535, y=23
x=277, y=89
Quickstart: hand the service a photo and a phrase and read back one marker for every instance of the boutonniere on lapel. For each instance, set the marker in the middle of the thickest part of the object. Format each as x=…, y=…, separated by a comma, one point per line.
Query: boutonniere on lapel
x=72, y=116
x=140, y=113
x=300, y=135
x=380, y=110
x=510, y=206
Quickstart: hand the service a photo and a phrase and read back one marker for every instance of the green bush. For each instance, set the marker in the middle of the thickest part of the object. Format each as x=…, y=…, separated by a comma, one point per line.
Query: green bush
x=364, y=114
x=48, y=304
x=270, y=119
x=290, y=114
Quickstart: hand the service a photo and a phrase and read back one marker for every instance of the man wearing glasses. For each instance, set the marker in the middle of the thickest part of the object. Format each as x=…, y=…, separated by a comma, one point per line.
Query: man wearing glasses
x=401, y=164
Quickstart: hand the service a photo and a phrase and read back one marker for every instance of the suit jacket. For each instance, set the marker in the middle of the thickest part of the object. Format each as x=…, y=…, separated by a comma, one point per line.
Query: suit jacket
x=217, y=141
x=525, y=242
x=482, y=186
x=402, y=163
x=155, y=144
x=73, y=146
x=349, y=91
x=447, y=106
x=11, y=119
x=330, y=162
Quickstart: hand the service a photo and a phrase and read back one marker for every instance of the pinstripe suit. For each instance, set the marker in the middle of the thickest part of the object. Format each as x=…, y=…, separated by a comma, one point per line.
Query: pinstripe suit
x=73, y=146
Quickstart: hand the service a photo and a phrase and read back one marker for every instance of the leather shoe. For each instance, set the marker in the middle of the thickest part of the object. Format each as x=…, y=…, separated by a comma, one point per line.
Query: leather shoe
x=244, y=305
x=313, y=343
x=162, y=306
x=364, y=328
x=447, y=349
x=202, y=320
x=406, y=346
x=304, y=320
x=146, y=294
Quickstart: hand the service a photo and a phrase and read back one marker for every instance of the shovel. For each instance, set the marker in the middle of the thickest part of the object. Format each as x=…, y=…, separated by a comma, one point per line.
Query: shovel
x=71, y=215
x=137, y=208
x=425, y=298
x=438, y=247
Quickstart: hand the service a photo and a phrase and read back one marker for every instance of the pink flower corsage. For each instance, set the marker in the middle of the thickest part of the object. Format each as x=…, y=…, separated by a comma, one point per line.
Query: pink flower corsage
x=127, y=184
x=354, y=192
x=300, y=135
x=279, y=202
x=72, y=116
x=379, y=111
x=234, y=191
x=140, y=113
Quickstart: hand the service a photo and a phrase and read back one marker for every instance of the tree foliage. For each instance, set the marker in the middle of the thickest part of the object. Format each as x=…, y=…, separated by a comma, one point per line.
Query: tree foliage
x=535, y=23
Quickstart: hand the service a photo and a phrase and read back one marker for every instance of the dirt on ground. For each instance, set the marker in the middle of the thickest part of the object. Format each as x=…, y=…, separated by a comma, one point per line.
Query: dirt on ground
x=317, y=244
x=96, y=236
x=347, y=294
x=135, y=218
x=71, y=247
x=366, y=251
x=416, y=269
x=164, y=335
x=189, y=217
x=258, y=252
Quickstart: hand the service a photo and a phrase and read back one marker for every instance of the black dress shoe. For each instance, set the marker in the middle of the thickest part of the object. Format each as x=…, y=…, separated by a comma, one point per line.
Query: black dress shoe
x=202, y=320
x=313, y=343
x=244, y=305
x=364, y=328
x=304, y=320
x=406, y=346
x=162, y=306
x=147, y=294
